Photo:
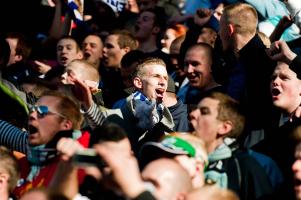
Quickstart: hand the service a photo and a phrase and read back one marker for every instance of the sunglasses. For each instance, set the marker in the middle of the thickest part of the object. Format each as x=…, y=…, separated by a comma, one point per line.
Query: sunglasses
x=43, y=111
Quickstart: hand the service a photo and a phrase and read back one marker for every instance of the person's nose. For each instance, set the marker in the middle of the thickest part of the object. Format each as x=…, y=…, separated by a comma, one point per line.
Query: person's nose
x=189, y=68
x=192, y=114
x=64, y=50
x=276, y=81
x=86, y=47
x=104, y=50
x=32, y=115
x=162, y=81
x=296, y=165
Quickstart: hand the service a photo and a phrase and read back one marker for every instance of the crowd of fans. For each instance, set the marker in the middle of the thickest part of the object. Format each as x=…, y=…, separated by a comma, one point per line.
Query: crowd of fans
x=151, y=99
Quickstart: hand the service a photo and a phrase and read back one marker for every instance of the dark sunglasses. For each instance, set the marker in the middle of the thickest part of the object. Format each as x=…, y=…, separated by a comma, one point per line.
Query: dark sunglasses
x=43, y=111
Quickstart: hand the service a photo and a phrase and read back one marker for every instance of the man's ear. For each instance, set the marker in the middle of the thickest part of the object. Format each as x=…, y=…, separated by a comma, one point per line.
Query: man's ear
x=231, y=29
x=137, y=82
x=80, y=55
x=126, y=49
x=18, y=58
x=4, y=180
x=225, y=128
x=67, y=124
x=156, y=30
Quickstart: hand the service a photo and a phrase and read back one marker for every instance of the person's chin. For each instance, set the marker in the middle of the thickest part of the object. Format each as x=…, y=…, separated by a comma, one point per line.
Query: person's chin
x=277, y=103
x=33, y=138
x=194, y=84
x=193, y=81
x=64, y=63
x=33, y=142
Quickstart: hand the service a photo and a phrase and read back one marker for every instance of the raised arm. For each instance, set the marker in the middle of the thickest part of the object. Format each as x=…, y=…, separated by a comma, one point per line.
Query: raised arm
x=12, y=137
x=280, y=51
x=95, y=116
x=58, y=27
x=283, y=24
x=92, y=113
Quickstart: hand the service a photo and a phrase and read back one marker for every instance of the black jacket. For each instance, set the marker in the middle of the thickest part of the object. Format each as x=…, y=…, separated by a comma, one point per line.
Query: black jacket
x=280, y=146
x=241, y=173
x=180, y=116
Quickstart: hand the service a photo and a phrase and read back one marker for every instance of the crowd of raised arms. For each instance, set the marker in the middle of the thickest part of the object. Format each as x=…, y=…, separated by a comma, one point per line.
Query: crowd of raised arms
x=150, y=100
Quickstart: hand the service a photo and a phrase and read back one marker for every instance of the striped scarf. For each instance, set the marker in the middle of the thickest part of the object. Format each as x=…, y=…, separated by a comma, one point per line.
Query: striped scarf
x=38, y=156
x=148, y=112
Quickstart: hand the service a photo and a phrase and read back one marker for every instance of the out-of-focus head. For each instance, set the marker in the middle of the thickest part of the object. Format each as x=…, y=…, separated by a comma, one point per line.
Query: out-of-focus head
x=196, y=164
x=170, y=179
x=151, y=78
x=178, y=143
x=42, y=194
x=188, y=150
x=111, y=136
x=110, y=132
x=285, y=88
x=37, y=194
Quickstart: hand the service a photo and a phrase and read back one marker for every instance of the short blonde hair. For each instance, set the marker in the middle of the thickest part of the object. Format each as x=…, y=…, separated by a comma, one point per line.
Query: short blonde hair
x=243, y=16
x=141, y=68
x=88, y=71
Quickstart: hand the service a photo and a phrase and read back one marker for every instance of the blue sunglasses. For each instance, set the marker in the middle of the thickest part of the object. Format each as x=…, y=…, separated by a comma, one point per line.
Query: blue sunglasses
x=43, y=111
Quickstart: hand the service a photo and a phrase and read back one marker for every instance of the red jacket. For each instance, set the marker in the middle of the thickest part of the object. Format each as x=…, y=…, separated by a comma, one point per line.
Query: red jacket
x=46, y=173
